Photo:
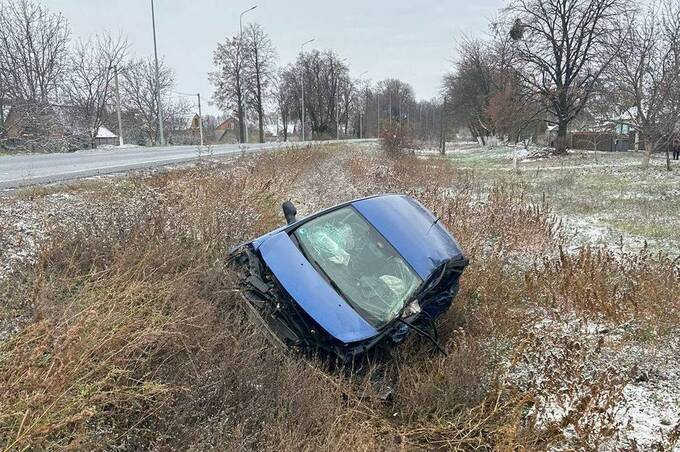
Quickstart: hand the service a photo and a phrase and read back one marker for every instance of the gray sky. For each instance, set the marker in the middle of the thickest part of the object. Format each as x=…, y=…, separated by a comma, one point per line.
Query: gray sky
x=412, y=40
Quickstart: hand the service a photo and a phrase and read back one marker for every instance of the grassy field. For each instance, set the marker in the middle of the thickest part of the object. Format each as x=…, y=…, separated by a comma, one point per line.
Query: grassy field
x=604, y=197
x=121, y=328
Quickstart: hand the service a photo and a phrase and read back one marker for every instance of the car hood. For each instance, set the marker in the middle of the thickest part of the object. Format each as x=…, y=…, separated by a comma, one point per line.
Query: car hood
x=412, y=230
x=312, y=292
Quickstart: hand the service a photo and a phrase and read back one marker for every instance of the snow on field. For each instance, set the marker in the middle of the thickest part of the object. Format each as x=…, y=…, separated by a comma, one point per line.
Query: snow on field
x=641, y=400
x=646, y=410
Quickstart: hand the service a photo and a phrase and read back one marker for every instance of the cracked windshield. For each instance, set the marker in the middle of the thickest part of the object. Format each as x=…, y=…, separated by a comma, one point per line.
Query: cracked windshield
x=365, y=268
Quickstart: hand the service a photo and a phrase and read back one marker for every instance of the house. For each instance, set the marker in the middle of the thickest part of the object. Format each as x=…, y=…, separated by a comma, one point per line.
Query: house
x=230, y=123
x=106, y=137
x=226, y=131
x=33, y=120
x=43, y=127
x=195, y=124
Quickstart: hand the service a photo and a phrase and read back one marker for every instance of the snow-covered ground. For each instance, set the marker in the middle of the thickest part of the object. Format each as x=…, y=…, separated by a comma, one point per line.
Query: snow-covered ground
x=601, y=197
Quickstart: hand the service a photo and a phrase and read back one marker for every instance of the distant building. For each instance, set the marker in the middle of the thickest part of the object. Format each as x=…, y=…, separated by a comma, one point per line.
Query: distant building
x=195, y=124
x=226, y=130
x=106, y=137
x=43, y=127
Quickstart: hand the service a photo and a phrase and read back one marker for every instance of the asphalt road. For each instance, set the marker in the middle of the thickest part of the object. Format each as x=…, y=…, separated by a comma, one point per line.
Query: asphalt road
x=31, y=169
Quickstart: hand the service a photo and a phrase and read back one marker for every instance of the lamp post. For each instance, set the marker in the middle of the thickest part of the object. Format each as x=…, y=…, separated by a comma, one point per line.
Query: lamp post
x=337, y=104
x=244, y=102
x=360, y=109
x=378, y=114
x=117, y=93
x=158, y=87
x=200, y=117
x=302, y=83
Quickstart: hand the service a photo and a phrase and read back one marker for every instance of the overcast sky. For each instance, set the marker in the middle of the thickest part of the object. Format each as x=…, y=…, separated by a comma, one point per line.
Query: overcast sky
x=413, y=40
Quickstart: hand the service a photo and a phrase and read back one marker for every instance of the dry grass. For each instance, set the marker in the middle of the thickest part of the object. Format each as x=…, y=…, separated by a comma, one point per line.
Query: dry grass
x=136, y=339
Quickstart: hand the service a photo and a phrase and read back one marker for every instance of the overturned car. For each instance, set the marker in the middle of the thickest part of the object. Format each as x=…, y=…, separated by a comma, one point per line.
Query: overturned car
x=351, y=278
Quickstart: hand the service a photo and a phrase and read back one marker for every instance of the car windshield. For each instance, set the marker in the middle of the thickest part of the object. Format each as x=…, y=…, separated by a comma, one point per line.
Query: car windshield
x=362, y=265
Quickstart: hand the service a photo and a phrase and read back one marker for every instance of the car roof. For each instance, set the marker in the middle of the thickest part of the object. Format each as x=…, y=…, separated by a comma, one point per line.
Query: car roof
x=416, y=234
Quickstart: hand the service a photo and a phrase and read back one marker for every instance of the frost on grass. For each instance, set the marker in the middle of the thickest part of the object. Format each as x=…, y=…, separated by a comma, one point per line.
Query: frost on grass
x=554, y=342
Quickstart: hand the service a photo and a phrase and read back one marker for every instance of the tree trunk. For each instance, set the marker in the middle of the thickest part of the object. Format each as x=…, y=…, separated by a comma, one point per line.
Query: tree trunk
x=260, y=115
x=649, y=148
x=241, y=123
x=668, y=159
x=561, y=140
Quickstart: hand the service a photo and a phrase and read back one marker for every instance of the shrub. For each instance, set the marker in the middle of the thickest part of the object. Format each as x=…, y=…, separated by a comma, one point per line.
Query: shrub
x=395, y=138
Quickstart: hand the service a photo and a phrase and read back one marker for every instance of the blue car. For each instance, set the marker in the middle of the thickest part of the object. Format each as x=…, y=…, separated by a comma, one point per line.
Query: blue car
x=351, y=278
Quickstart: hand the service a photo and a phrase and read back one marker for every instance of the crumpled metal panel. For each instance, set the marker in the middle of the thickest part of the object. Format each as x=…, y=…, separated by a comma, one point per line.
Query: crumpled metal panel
x=311, y=291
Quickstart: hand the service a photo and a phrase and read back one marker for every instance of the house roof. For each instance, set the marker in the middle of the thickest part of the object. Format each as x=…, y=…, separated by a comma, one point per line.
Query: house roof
x=103, y=132
x=224, y=123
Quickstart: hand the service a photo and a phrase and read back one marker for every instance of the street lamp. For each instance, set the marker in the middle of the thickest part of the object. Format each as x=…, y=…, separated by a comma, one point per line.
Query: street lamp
x=360, y=109
x=337, y=104
x=158, y=87
x=302, y=82
x=244, y=102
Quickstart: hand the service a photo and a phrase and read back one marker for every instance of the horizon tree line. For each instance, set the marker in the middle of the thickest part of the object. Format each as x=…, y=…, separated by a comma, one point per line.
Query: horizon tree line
x=63, y=89
x=559, y=63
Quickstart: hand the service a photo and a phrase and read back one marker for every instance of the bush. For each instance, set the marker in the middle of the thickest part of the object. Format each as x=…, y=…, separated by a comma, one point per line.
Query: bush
x=395, y=138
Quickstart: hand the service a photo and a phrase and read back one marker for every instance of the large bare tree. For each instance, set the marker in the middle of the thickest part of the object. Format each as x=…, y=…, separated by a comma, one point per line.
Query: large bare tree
x=259, y=70
x=323, y=74
x=646, y=74
x=230, y=89
x=564, y=48
x=396, y=95
x=88, y=88
x=33, y=50
x=285, y=95
x=139, y=90
x=470, y=87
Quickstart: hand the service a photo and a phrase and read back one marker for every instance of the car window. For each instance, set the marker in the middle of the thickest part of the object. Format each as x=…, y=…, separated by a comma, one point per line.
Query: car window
x=362, y=265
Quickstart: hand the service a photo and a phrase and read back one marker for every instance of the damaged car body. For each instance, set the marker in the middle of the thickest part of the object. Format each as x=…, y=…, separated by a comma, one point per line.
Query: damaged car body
x=351, y=278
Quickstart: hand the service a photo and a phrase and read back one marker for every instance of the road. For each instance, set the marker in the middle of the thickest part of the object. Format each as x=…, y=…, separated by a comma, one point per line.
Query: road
x=31, y=169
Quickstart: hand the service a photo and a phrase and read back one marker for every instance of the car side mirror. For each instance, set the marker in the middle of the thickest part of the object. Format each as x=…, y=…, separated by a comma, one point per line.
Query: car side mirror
x=289, y=211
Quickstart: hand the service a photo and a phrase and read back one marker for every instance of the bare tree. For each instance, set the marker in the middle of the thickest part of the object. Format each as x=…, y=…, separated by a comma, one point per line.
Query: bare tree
x=647, y=73
x=3, y=103
x=229, y=87
x=286, y=100
x=347, y=97
x=470, y=87
x=33, y=50
x=88, y=88
x=563, y=46
x=395, y=95
x=260, y=59
x=139, y=93
x=323, y=73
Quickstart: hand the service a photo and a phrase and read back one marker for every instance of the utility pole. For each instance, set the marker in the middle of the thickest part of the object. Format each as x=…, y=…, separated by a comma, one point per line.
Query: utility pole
x=390, y=106
x=240, y=44
x=158, y=86
x=364, y=102
x=302, y=83
x=337, y=109
x=120, y=121
x=442, y=147
x=200, y=117
x=377, y=134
